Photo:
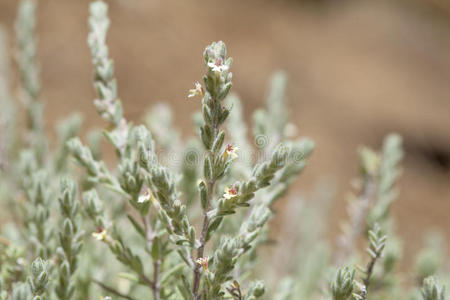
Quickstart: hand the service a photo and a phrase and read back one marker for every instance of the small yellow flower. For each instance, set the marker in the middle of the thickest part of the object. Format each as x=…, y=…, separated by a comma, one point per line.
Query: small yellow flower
x=146, y=196
x=100, y=234
x=230, y=193
x=198, y=90
x=203, y=261
x=231, y=151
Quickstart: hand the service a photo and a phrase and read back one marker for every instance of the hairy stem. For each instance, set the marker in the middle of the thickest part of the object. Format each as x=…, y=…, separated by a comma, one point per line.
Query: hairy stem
x=200, y=252
x=154, y=285
x=201, y=249
x=357, y=217
x=369, y=272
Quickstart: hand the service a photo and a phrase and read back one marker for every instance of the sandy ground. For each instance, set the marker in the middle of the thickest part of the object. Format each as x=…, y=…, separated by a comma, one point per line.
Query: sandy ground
x=358, y=70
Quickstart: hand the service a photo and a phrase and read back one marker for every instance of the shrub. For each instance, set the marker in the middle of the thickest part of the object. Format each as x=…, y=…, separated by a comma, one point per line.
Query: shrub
x=145, y=229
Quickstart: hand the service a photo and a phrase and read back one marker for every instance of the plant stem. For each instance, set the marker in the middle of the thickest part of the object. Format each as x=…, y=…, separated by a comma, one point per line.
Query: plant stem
x=369, y=272
x=154, y=285
x=358, y=217
x=200, y=252
x=201, y=249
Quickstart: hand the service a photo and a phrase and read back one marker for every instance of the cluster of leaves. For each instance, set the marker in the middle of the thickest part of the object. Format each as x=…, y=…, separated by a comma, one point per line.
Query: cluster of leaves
x=144, y=229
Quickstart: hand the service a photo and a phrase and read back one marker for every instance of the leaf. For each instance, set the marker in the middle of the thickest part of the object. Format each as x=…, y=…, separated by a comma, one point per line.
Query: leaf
x=136, y=226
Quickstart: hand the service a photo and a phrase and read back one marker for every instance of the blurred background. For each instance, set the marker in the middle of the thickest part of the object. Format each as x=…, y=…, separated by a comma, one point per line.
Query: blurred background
x=357, y=70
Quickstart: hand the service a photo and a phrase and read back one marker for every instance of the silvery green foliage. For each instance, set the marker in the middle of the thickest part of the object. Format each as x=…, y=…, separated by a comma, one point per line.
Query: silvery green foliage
x=270, y=124
x=146, y=183
x=271, y=127
x=370, y=209
x=245, y=191
x=376, y=192
x=430, y=258
x=107, y=104
x=160, y=122
x=385, y=275
x=305, y=246
x=432, y=289
x=36, y=210
x=12, y=265
x=190, y=229
x=343, y=284
x=217, y=81
x=237, y=129
x=70, y=239
x=29, y=78
x=377, y=242
x=26, y=61
x=39, y=278
x=286, y=289
x=66, y=130
x=97, y=170
x=388, y=173
x=256, y=289
x=190, y=173
x=21, y=291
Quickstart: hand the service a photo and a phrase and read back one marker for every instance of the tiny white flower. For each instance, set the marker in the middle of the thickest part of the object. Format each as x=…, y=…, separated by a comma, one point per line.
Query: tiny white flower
x=219, y=69
x=146, y=196
x=218, y=66
x=230, y=193
x=231, y=151
x=198, y=90
x=100, y=234
x=203, y=261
